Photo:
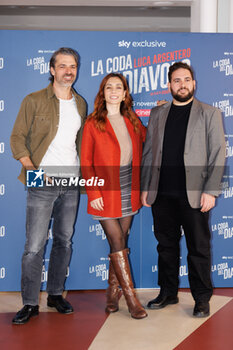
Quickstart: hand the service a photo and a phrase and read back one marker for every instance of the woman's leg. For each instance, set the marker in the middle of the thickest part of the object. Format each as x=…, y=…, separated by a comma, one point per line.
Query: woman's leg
x=125, y=226
x=116, y=238
x=116, y=231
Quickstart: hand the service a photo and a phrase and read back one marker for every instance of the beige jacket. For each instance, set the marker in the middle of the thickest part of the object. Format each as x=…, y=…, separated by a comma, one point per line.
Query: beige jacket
x=37, y=124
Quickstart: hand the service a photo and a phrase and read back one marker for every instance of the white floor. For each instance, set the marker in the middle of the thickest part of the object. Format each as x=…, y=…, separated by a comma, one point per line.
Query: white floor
x=165, y=328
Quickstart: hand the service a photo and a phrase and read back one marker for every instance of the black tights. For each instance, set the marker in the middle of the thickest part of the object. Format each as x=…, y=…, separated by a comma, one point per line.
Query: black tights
x=116, y=231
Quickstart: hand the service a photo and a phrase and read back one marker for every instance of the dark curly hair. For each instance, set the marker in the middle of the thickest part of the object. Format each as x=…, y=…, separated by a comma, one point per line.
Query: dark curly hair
x=178, y=65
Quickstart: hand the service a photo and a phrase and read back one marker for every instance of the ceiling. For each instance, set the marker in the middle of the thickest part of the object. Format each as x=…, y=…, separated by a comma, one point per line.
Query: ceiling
x=125, y=11
x=136, y=3
x=141, y=15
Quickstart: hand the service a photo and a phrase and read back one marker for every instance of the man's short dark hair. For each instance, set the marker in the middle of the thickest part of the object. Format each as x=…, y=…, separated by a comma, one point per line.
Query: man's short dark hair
x=178, y=65
x=62, y=51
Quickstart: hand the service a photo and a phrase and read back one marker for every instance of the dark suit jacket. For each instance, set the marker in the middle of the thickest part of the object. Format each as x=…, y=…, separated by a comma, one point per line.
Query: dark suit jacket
x=204, y=152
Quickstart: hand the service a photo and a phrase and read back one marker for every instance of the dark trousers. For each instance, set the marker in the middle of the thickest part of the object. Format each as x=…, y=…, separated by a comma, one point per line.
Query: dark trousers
x=170, y=213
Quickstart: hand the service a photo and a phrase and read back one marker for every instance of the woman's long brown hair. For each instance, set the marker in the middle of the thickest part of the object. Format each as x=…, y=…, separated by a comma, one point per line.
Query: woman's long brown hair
x=99, y=115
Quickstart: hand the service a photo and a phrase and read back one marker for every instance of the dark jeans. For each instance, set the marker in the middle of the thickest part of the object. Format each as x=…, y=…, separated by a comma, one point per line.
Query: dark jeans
x=61, y=203
x=170, y=213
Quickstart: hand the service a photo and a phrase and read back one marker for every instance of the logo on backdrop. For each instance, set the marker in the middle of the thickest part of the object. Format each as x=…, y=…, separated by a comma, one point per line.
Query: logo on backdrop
x=223, y=229
x=44, y=274
x=98, y=230
x=223, y=269
x=229, y=147
x=1, y=105
x=183, y=270
x=224, y=65
x=144, y=74
x=227, y=192
x=2, y=272
x=1, y=62
x=2, y=231
x=2, y=189
x=99, y=271
x=225, y=107
x=39, y=63
x=144, y=43
x=2, y=147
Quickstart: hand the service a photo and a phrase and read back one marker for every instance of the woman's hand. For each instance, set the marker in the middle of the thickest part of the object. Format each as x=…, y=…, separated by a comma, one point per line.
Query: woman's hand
x=97, y=204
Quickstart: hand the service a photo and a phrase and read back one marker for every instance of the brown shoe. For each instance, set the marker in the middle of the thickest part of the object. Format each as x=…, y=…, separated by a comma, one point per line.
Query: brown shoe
x=112, y=292
x=121, y=267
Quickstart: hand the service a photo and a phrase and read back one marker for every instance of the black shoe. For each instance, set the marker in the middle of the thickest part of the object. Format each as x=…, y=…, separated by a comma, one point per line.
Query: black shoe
x=162, y=301
x=201, y=309
x=61, y=304
x=25, y=314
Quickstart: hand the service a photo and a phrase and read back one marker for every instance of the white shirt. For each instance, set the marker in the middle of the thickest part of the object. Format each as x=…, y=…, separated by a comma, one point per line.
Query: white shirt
x=61, y=158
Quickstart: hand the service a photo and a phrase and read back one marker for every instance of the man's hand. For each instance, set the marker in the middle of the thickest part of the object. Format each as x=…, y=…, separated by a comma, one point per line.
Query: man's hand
x=97, y=204
x=207, y=202
x=27, y=163
x=144, y=198
x=47, y=179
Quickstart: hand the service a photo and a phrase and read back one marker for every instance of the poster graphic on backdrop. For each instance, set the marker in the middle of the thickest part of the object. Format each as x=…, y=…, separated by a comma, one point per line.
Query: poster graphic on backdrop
x=144, y=59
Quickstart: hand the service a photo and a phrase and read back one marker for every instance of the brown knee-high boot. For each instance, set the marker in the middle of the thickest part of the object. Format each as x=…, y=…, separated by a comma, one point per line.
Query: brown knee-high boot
x=112, y=293
x=121, y=267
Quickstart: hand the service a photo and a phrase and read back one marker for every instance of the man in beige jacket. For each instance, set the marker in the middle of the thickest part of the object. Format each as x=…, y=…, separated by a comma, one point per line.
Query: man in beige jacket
x=46, y=136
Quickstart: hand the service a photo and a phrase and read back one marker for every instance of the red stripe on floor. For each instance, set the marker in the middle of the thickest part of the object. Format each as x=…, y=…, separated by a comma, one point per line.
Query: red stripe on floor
x=50, y=331
x=215, y=334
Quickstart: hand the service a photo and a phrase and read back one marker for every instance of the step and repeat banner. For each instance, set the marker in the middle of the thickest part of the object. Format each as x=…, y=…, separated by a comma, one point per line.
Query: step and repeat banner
x=144, y=58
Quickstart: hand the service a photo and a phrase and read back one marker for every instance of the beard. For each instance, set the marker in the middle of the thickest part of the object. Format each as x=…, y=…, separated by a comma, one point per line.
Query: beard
x=68, y=83
x=182, y=98
x=63, y=82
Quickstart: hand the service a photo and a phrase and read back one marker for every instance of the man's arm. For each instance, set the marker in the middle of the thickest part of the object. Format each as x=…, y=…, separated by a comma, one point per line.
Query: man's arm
x=216, y=160
x=18, y=140
x=146, y=164
x=216, y=155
